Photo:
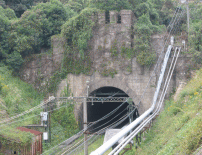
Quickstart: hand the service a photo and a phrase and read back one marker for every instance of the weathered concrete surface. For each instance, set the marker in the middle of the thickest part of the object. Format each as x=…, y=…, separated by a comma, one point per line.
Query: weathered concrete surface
x=39, y=67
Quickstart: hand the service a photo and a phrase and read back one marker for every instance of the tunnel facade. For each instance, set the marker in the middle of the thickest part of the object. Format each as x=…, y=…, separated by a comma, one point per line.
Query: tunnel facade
x=111, y=114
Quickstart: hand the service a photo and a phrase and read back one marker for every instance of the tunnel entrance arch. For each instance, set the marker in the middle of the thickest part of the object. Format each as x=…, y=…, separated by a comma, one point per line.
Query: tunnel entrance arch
x=102, y=109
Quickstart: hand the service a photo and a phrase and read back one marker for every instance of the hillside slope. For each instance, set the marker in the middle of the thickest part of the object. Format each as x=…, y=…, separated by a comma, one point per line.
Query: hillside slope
x=178, y=129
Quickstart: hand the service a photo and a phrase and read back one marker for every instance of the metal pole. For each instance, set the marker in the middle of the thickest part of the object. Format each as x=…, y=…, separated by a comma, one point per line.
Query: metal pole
x=49, y=126
x=85, y=126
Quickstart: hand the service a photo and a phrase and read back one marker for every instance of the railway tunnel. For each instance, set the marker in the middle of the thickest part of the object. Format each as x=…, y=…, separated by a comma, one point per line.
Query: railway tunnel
x=98, y=110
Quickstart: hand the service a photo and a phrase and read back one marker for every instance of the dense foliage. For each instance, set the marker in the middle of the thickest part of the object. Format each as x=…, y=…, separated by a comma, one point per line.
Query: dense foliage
x=15, y=94
x=112, y=5
x=143, y=30
x=195, y=36
x=28, y=34
x=20, y=6
x=77, y=32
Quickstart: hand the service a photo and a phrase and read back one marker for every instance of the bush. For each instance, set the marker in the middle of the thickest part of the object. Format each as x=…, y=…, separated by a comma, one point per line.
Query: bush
x=32, y=31
x=112, y=5
x=15, y=61
x=10, y=13
x=145, y=58
x=142, y=9
x=77, y=32
x=194, y=138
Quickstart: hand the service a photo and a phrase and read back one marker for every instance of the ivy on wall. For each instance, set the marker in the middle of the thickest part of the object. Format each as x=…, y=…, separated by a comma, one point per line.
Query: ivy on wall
x=76, y=32
x=143, y=31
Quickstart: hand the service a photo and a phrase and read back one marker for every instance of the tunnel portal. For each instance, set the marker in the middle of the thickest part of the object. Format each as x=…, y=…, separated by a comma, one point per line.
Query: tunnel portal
x=101, y=109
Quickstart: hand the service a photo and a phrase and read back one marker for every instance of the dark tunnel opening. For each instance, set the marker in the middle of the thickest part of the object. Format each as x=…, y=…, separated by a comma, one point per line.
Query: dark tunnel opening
x=98, y=110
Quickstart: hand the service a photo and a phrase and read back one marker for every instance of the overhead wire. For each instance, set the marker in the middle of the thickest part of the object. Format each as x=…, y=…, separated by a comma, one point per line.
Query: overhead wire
x=92, y=123
x=27, y=111
x=34, y=115
x=109, y=120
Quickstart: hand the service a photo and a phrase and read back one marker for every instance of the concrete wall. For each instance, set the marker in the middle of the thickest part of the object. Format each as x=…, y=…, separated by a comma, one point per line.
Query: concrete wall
x=39, y=67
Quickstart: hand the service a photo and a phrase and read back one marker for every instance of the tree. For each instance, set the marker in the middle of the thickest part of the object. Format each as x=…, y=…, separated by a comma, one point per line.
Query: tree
x=14, y=61
x=112, y=4
x=5, y=25
x=31, y=32
x=19, y=6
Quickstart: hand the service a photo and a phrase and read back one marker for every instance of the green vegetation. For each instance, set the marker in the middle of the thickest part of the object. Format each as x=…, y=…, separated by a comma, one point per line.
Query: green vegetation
x=77, y=32
x=195, y=36
x=181, y=133
x=63, y=122
x=127, y=52
x=15, y=139
x=114, y=50
x=16, y=95
x=31, y=32
x=108, y=71
x=21, y=37
x=143, y=30
x=112, y=5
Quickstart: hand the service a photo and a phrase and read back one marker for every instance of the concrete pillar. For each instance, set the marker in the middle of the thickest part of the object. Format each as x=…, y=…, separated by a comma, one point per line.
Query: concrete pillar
x=126, y=26
x=101, y=18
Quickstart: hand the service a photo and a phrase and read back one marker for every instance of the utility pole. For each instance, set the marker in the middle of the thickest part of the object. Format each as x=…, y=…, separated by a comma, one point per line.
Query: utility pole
x=85, y=126
x=85, y=122
x=49, y=126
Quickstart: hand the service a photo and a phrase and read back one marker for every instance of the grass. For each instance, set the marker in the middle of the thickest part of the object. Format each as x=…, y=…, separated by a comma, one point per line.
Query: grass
x=16, y=96
x=178, y=129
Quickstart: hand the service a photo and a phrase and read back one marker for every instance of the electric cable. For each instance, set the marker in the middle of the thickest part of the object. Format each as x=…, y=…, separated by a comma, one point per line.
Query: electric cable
x=109, y=120
x=93, y=123
x=28, y=111
x=34, y=115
